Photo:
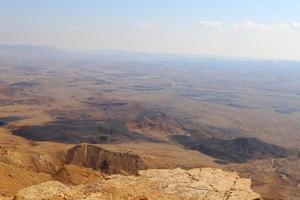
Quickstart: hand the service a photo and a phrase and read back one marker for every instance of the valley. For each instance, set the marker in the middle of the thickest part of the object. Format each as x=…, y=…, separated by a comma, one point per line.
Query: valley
x=58, y=113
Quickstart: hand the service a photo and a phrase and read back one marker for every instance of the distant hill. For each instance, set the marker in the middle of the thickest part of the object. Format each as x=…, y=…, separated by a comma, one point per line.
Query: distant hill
x=237, y=150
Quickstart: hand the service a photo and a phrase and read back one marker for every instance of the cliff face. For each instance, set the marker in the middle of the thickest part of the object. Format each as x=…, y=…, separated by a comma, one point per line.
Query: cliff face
x=109, y=162
x=176, y=184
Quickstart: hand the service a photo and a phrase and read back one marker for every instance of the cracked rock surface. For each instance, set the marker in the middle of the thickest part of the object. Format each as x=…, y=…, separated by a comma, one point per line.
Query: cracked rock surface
x=152, y=184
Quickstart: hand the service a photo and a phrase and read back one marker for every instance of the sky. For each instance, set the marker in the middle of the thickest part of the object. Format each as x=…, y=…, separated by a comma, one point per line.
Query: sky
x=268, y=29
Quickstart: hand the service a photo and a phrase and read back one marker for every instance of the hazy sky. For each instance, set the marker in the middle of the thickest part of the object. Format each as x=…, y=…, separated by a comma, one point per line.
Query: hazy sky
x=239, y=28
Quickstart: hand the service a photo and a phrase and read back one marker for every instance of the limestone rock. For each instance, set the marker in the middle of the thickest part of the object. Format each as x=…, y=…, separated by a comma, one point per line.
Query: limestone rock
x=152, y=184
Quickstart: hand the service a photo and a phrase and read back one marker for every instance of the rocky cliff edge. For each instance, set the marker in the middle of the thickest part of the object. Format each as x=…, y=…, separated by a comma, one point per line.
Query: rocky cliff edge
x=152, y=184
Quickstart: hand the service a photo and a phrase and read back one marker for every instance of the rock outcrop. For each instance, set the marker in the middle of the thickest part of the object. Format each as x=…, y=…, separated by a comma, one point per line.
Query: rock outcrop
x=176, y=184
x=97, y=158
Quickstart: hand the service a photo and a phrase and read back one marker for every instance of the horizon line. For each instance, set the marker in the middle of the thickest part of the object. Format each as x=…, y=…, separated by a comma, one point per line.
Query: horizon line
x=154, y=53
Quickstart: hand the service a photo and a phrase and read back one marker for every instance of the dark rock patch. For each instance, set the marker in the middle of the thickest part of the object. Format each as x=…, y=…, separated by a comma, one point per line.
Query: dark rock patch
x=82, y=131
x=6, y=120
x=236, y=150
